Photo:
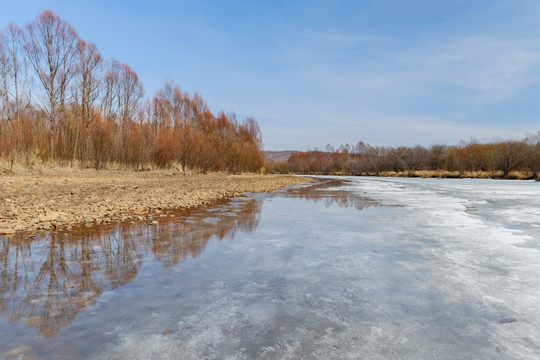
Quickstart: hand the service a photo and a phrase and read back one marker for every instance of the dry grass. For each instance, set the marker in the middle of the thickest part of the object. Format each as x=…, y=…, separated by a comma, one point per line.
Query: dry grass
x=518, y=175
x=73, y=167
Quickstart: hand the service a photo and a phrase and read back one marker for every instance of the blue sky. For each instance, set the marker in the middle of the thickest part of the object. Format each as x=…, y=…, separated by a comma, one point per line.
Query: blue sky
x=388, y=72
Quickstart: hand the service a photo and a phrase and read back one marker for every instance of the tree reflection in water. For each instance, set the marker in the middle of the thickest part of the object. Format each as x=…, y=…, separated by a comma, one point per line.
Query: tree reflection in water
x=326, y=194
x=48, y=280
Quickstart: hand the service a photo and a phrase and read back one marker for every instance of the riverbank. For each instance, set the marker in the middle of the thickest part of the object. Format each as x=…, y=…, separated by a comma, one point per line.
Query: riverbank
x=445, y=174
x=60, y=200
x=436, y=174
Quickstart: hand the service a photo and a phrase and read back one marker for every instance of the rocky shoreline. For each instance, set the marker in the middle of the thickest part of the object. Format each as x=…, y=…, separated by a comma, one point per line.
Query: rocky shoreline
x=60, y=201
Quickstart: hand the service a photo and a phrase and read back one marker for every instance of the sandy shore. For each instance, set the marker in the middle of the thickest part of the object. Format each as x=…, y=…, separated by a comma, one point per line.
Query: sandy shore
x=37, y=201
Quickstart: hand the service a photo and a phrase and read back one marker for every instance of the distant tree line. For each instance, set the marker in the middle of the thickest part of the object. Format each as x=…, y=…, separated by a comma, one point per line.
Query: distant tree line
x=503, y=159
x=61, y=101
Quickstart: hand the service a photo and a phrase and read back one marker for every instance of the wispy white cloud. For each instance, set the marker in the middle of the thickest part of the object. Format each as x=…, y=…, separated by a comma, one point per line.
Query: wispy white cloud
x=489, y=68
x=493, y=68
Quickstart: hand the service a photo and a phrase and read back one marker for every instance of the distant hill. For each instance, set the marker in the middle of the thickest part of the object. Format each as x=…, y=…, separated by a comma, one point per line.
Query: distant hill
x=278, y=156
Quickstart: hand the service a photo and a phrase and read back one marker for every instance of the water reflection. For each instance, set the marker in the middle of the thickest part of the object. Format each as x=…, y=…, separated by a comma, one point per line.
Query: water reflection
x=47, y=281
x=328, y=194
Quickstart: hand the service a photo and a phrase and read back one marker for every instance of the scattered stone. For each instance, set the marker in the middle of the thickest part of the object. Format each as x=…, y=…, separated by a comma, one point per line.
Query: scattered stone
x=155, y=222
x=7, y=231
x=46, y=226
x=88, y=219
x=48, y=217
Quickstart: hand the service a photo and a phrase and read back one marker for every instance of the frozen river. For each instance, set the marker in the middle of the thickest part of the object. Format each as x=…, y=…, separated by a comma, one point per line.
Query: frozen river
x=369, y=268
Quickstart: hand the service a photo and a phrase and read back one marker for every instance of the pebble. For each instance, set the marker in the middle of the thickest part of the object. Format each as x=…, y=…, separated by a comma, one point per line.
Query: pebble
x=48, y=217
x=46, y=226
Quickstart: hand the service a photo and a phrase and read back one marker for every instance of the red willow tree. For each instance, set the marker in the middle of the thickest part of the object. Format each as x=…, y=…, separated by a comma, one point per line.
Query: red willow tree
x=188, y=133
x=93, y=112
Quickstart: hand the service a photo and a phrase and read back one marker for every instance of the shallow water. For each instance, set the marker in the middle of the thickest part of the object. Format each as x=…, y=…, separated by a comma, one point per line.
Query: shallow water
x=372, y=268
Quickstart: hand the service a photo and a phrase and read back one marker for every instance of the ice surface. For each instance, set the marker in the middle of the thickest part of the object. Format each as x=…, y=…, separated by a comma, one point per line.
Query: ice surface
x=375, y=268
x=485, y=246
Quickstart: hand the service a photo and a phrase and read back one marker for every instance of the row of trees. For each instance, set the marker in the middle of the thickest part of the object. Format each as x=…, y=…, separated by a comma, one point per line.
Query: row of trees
x=62, y=101
x=497, y=159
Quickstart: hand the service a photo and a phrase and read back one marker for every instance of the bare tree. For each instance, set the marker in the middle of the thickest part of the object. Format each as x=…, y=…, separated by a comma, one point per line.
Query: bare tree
x=50, y=47
x=399, y=158
x=436, y=156
x=89, y=60
x=5, y=70
x=130, y=92
x=13, y=43
x=532, y=158
x=509, y=156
